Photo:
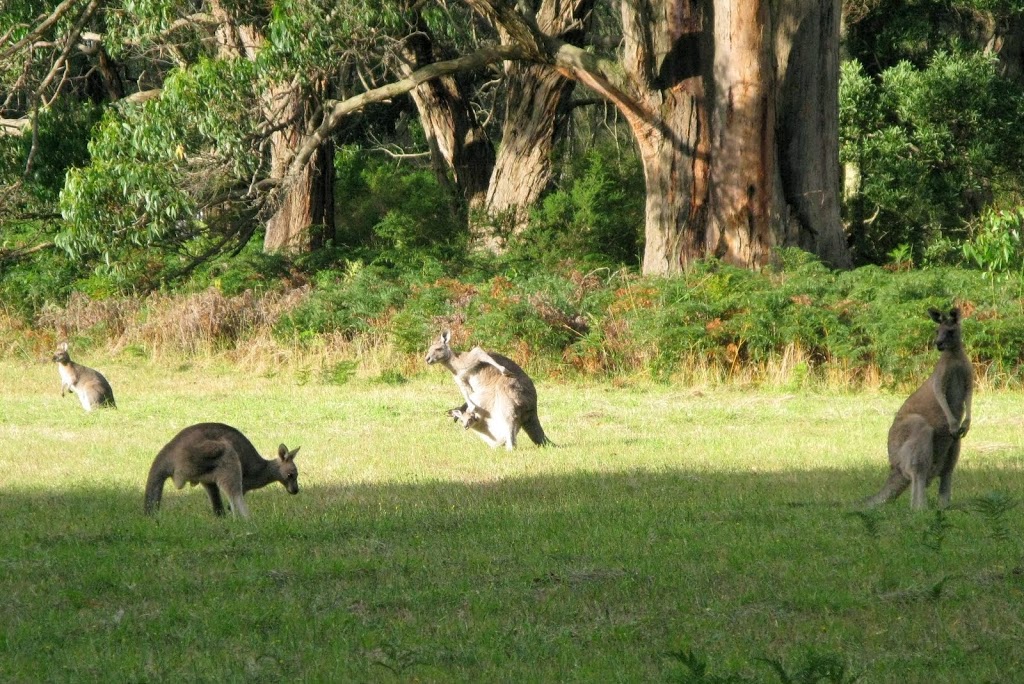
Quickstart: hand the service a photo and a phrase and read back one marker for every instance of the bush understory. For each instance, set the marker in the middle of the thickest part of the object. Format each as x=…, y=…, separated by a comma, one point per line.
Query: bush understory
x=798, y=324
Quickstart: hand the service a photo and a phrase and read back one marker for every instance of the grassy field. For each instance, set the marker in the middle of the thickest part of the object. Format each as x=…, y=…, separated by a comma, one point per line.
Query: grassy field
x=671, y=530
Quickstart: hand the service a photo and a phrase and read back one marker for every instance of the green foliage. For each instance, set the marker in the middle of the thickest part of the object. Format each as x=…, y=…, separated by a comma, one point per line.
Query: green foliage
x=995, y=244
x=995, y=507
x=142, y=189
x=930, y=147
x=61, y=138
x=395, y=216
x=350, y=302
x=882, y=33
x=595, y=217
x=28, y=284
x=252, y=269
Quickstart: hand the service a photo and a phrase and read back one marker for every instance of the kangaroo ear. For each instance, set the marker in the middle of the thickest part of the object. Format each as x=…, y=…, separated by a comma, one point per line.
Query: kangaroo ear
x=291, y=454
x=954, y=315
x=63, y=346
x=282, y=452
x=935, y=314
x=446, y=336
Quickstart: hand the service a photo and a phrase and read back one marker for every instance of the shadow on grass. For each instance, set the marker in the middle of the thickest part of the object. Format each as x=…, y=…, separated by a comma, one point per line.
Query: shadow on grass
x=589, y=577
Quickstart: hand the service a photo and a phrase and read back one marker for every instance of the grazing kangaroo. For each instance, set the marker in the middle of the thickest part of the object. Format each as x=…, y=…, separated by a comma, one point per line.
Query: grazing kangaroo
x=500, y=397
x=924, y=440
x=91, y=387
x=218, y=456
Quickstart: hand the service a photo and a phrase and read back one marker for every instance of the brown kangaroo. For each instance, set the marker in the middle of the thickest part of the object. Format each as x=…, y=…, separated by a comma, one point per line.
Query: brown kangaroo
x=219, y=457
x=89, y=385
x=924, y=440
x=500, y=397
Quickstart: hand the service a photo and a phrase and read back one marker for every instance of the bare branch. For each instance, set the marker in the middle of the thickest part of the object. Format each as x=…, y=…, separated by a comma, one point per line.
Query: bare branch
x=142, y=97
x=339, y=110
x=72, y=40
x=15, y=126
x=42, y=28
x=20, y=252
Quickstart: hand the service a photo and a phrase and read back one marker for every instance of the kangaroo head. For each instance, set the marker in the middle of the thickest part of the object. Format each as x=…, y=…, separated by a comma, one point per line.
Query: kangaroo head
x=62, y=356
x=947, y=336
x=286, y=465
x=440, y=352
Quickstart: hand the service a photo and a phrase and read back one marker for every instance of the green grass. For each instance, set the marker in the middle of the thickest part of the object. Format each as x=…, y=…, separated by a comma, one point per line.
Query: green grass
x=669, y=527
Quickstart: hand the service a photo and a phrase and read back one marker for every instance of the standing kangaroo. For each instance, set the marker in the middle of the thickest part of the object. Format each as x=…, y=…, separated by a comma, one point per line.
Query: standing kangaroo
x=219, y=457
x=924, y=440
x=500, y=397
x=91, y=387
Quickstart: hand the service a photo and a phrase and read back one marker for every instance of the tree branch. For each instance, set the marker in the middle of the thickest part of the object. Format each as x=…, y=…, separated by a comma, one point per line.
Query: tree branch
x=339, y=110
x=15, y=126
x=42, y=28
x=21, y=252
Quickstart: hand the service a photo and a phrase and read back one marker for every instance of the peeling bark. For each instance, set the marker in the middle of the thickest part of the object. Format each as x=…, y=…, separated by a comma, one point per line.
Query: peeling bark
x=456, y=140
x=536, y=112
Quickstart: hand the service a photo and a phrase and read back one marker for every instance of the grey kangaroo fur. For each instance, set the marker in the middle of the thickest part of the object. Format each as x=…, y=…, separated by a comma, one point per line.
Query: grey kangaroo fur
x=218, y=456
x=88, y=384
x=500, y=397
x=924, y=440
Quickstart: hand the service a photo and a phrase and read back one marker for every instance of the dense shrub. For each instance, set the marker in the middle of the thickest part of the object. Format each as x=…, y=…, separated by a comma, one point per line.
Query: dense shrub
x=859, y=325
x=595, y=214
x=926, y=149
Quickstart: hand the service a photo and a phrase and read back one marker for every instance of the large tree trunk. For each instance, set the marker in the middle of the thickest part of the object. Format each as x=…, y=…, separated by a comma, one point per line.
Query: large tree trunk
x=535, y=114
x=304, y=221
x=456, y=140
x=304, y=217
x=735, y=163
x=709, y=156
x=807, y=46
x=536, y=110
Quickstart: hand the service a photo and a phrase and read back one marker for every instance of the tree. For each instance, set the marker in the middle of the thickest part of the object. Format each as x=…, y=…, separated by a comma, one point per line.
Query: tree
x=697, y=83
x=537, y=99
x=731, y=104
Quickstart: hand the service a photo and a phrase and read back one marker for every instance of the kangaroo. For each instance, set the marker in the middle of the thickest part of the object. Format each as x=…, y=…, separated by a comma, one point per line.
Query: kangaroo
x=924, y=440
x=500, y=397
x=91, y=387
x=465, y=416
x=219, y=457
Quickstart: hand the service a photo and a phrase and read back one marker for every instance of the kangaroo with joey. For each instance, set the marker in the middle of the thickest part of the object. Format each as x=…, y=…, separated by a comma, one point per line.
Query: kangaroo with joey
x=219, y=457
x=464, y=416
x=500, y=397
x=88, y=384
x=924, y=440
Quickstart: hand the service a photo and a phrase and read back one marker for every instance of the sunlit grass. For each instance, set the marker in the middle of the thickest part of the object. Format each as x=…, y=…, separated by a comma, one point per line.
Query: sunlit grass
x=669, y=519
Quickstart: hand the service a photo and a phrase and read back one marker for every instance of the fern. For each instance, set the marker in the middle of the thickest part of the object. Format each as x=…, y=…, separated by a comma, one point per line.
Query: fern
x=994, y=508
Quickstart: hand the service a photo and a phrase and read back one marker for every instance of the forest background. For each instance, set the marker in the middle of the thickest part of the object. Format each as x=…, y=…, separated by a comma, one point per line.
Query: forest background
x=330, y=184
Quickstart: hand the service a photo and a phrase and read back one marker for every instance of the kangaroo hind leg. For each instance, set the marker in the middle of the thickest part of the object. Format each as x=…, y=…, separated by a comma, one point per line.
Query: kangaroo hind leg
x=215, y=500
x=946, y=476
x=229, y=478
x=916, y=455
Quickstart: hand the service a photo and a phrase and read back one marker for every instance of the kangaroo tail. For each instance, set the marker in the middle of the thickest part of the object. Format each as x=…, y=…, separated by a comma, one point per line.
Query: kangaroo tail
x=154, y=488
x=532, y=428
x=892, y=488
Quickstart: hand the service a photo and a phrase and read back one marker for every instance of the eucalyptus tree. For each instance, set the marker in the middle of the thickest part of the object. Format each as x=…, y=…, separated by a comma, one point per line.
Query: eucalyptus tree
x=733, y=106
x=230, y=110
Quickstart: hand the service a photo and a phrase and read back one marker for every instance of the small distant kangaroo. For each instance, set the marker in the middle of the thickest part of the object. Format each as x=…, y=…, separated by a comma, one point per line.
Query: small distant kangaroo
x=500, y=397
x=218, y=456
x=924, y=440
x=91, y=387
